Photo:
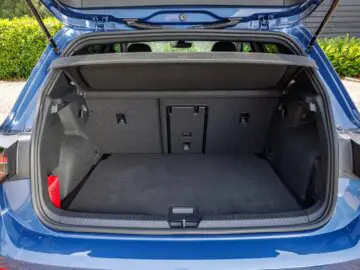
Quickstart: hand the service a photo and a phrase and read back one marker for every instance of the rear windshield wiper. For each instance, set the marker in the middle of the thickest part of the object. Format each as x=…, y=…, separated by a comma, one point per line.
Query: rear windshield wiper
x=216, y=25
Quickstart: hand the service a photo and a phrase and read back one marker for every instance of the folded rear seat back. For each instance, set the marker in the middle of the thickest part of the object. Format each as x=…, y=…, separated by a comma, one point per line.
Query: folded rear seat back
x=124, y=125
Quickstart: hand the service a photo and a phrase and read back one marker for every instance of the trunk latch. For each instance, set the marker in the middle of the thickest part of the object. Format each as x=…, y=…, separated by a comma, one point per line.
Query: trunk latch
x=183, y=217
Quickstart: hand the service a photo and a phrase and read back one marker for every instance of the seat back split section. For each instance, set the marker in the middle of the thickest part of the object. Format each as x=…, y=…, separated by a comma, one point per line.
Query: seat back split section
x=181, y=125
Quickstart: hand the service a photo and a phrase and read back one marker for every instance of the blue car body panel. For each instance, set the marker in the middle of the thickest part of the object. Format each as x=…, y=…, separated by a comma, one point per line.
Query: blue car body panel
x=27, y=243
x=114, y=18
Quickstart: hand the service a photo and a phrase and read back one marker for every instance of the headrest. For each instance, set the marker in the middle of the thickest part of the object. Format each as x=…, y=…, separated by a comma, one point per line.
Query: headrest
x=224, y=46
x=139, y=47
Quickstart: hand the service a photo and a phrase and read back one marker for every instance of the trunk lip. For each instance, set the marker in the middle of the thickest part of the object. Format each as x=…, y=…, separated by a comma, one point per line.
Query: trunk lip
x=52, y=216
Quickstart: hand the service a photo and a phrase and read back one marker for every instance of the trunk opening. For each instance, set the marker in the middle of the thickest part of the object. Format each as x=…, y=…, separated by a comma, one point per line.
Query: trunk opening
x=244, y=140
x=217, y=184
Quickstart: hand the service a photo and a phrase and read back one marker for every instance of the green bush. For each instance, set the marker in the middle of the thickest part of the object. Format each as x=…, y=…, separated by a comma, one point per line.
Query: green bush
x=344, y=54
x=16, y=8
x=21, y=44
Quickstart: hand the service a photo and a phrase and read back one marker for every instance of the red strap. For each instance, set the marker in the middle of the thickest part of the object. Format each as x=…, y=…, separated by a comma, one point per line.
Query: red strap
x=54, y=190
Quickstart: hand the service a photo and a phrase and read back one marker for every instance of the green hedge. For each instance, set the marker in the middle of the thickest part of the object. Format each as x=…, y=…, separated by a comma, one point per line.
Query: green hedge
x=344, y=54
x=21, y=45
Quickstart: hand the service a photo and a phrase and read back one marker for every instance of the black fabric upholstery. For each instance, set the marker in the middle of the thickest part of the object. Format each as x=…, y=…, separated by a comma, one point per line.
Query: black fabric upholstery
x=216, y=183
x=147, y=125
x=224, y=131
x=294, y=146
x=138, y=133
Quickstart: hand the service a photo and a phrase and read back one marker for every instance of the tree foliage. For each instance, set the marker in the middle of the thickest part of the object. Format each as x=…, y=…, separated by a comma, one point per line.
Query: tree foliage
x=18, y=8
x=344, y=54
x=21, y=44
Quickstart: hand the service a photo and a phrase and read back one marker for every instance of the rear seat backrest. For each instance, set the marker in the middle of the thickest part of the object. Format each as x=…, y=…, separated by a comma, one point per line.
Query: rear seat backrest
x=139, y=47
x=223, y=46
x=124, y=125
x=237, y=125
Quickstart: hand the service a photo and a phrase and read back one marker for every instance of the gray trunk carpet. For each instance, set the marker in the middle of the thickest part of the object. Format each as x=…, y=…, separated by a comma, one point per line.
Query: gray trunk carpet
x=216, y=183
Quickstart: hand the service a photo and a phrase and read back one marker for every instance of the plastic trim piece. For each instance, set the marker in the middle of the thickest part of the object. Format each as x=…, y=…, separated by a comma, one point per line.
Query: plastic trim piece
x=179, y=94
x=183, y=58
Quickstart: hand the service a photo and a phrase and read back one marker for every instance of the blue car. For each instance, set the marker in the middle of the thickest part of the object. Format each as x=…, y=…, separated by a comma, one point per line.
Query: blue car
x=181, y=135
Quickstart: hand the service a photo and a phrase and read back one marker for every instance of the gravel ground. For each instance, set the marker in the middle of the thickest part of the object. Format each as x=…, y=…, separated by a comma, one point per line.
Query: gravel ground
x=353, y=88
x=9, y=91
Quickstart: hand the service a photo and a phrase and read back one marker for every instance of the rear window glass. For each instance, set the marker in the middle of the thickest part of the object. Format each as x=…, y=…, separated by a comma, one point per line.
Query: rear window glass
x=185, y=47
x=246, y=47
x=181, y=46
x=271, y=48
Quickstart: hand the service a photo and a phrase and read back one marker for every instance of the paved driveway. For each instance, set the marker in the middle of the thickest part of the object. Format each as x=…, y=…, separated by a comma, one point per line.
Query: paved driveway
x=353, y=88
x=9, y=91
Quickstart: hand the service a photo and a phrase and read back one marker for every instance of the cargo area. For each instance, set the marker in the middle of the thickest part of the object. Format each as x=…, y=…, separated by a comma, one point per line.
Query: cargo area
x=139, y=147
x=218, y=184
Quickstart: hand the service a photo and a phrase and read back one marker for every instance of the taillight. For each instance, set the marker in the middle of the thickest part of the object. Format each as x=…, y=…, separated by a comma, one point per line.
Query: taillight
x=14, y=157
x=4, y=166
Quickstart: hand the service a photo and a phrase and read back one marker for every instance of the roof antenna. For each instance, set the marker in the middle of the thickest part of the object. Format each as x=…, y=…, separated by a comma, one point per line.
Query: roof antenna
x=323, y=23
x=42, y=25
